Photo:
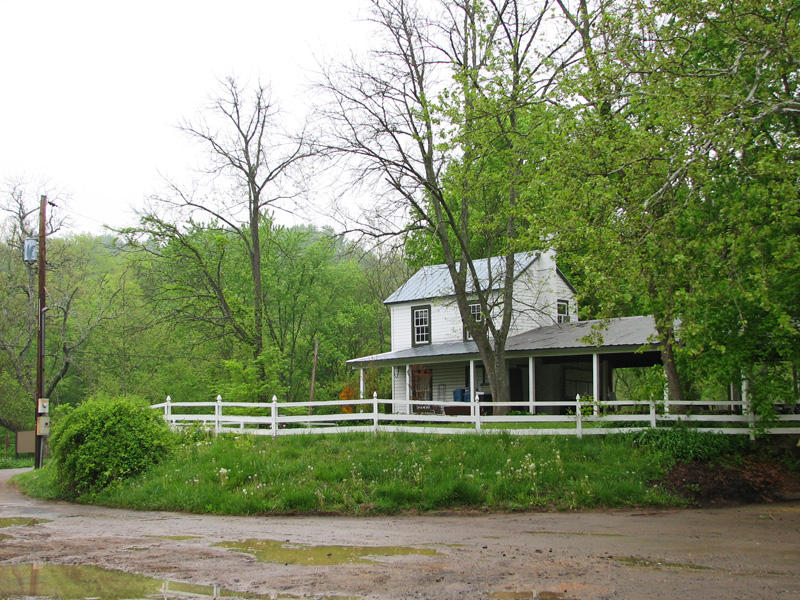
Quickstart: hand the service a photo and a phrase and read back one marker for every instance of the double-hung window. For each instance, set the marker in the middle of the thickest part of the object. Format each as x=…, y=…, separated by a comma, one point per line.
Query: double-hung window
x=476, y=314
x=562, y=311
x=420, y=325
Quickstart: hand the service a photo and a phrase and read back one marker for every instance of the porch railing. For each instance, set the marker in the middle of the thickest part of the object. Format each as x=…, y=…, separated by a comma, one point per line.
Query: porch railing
x=576, y=417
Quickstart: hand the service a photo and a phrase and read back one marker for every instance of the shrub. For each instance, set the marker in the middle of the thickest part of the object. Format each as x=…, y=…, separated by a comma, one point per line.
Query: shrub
x=106, y=439
x=686, y=444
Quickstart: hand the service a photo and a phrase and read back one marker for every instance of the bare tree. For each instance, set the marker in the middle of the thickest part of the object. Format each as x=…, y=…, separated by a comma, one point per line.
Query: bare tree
x=442, y=115
x=251, y=153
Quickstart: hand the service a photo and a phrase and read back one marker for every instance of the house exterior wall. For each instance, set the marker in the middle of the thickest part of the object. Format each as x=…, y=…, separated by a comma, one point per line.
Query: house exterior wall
x=536, y=293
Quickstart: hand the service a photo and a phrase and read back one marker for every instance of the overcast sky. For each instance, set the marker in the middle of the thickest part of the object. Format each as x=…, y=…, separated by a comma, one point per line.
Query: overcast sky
x=92, y=91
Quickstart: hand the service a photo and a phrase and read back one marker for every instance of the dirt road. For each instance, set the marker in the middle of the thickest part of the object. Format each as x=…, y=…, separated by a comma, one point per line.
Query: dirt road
x=742, y=552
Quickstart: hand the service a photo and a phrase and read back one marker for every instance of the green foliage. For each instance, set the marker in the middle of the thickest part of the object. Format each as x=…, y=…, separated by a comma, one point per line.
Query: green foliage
x=685, y=444
x=106, y=440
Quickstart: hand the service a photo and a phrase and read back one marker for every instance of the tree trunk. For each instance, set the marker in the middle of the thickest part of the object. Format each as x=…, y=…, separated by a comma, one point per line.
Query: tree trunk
x=667, y=336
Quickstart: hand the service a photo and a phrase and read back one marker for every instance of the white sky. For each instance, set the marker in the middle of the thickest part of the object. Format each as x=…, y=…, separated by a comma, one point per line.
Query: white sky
x=92, y=91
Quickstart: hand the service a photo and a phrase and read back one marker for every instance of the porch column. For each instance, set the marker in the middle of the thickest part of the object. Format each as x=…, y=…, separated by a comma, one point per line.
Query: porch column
x=472, y=395
x=361, y=383
x=532, y=385
x=596, y=381
x=408, y=389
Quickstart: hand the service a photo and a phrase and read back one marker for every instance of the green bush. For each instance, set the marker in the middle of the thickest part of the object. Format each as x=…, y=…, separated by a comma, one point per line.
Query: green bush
x=106, y=439
x=686, y=444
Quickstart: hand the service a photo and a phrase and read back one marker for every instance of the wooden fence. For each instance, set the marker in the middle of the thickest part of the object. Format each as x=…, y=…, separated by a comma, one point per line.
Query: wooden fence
x=581, y=418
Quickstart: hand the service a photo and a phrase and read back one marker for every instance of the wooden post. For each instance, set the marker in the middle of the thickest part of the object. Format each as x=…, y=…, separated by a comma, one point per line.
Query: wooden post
x=596, y=382
x=218, y=415
x=578, y=415
x=477, y=408
x=746, y=405
x=168, y=410
x=532, y=385
x=652, y=414
x=408, y=389
x=313, y=375
x=274, y=415
x=39, y=440
x=375, y=412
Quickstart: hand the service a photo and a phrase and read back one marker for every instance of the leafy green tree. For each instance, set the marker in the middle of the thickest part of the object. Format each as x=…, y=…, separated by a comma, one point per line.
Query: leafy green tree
x=79, y=298
x=681, y=199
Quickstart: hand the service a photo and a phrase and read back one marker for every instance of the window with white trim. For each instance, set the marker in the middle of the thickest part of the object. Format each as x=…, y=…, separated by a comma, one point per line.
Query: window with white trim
x=420, y=325
x=562, y=311
x=477, y=316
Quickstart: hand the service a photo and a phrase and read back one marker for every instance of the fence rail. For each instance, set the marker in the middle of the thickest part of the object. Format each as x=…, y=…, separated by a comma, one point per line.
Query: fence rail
x=577, y=418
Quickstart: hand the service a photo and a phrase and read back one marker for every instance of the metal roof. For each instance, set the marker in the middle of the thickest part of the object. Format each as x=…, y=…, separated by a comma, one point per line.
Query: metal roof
x=434, y=281
x=599, y=335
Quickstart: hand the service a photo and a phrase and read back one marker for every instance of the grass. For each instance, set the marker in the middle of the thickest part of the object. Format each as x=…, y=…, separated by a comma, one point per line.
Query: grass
x=387, y=473
x=10, y=462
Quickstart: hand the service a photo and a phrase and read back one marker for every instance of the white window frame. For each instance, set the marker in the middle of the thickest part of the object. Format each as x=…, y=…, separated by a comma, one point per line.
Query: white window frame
x=477, y=316
x=421, y=332
x=562, y=311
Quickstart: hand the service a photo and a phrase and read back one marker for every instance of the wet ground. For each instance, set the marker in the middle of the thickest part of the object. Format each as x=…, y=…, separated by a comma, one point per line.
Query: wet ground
x=60, y=550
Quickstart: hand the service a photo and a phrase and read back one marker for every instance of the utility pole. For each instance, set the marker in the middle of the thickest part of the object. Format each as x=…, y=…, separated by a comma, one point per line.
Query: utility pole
x=42, y=427
x=313, y=373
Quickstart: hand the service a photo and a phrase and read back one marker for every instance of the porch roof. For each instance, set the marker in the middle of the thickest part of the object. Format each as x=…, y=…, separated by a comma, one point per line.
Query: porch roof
x=603, y=336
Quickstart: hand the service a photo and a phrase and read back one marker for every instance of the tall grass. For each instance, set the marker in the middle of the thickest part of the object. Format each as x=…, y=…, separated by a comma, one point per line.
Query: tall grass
x=390, y=473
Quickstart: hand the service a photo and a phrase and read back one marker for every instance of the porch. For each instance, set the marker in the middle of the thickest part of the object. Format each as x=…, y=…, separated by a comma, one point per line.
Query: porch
x=548, y=367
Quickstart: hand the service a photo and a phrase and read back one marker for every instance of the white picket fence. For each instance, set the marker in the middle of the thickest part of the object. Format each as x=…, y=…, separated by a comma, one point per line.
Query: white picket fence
x=583, y=418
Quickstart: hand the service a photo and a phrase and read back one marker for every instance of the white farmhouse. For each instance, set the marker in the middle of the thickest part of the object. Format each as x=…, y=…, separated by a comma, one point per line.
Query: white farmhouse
x=548, y=352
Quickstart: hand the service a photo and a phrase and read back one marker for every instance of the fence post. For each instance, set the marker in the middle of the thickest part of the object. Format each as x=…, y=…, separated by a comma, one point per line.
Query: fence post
x=274, y=414
x=578, y=415
x=477, y=408
x=217, y=414
x=168, y=411
x=652, y=414
x=375, y=412
x=747, y=406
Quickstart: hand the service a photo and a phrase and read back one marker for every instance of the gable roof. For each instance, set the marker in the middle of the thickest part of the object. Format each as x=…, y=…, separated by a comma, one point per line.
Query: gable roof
x=434, y=281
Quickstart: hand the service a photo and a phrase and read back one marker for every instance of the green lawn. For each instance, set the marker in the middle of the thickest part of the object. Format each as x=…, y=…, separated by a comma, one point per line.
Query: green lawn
x=388, y=473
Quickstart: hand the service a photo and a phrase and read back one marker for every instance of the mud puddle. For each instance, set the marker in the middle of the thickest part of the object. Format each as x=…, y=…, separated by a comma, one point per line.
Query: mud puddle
x=83, y=582
x=15, y=521
x=288, y=553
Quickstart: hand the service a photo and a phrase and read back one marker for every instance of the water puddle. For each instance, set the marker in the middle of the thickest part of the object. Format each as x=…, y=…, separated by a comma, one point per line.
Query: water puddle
x=82, y=583
x=636, y=561
x=303, y=554
x=14, y=521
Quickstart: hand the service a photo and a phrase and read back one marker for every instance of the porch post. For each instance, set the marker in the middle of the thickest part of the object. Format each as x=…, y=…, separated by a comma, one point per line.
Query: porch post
x=532, y=385
x=408, y=389
x=596, y=382
x=361, y=383
x=472, y=379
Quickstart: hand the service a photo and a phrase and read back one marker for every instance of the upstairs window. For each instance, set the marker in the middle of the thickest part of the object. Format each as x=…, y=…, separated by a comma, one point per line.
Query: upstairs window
x=562, y=310
x=420, y=325
x=477, y=316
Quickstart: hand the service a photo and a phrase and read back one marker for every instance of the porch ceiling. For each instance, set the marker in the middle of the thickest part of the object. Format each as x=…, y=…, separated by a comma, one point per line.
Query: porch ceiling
x=610, y=336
